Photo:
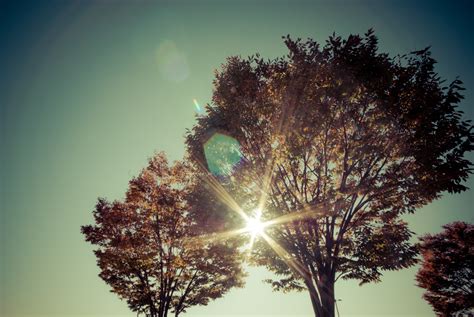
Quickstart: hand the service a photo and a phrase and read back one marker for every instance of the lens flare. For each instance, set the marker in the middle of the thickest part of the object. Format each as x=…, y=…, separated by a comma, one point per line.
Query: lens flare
x=198, y=107
x=222, y=154
x=172, y=62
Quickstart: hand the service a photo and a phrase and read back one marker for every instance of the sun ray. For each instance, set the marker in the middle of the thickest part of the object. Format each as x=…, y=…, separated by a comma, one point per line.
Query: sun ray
x=266, y=181
x=280, y=130
x=220, y=191
x=292, y=263
x=249, y=247
x=257, y=229
x=301, y=214
x=226, y=198
x=218, y=236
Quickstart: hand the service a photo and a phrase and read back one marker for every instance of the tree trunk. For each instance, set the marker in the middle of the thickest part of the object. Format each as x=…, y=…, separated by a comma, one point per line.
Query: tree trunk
x=162, y=311
x=317, y=308
x=327, y=299
x=324, y=304
x=326, y=291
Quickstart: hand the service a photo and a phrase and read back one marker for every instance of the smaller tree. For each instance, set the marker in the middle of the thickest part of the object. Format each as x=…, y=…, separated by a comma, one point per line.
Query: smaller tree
x=447, y=269
x=146, y=249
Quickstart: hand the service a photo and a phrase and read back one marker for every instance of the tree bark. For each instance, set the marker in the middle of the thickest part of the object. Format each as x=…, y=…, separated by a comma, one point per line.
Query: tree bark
x=323, y=298
x=315, y=301
x=326, y=291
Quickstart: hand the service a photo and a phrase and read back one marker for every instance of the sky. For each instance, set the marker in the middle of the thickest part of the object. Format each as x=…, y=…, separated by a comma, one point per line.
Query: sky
x=89, y=90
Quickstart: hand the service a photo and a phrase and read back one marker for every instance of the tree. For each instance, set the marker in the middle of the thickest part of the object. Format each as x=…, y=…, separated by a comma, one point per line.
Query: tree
x=447, y=269
x=338, y=142
x=146, y=249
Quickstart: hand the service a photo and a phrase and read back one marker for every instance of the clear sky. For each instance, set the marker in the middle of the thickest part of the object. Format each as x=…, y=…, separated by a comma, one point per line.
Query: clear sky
x=90, y=90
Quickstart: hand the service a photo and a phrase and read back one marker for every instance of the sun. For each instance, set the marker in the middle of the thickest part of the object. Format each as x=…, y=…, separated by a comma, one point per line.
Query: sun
x=254, y=225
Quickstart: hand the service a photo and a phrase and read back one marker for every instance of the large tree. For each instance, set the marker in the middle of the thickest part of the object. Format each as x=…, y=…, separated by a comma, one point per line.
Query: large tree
x=337, y=143
x=447, y=269
x=147, y=250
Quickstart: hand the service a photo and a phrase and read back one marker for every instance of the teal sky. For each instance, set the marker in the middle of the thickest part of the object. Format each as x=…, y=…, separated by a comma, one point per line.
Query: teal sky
x=90, y=90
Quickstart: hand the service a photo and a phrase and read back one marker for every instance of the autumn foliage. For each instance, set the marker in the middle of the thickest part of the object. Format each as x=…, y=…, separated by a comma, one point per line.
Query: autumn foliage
x=447, y=269
x=147, y=251
x=349, y=138
x=333, y=144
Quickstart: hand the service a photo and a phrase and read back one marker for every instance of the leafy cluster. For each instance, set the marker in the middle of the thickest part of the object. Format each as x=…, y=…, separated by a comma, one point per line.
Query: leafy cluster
x=447, y=269
x=146, y=248
x=337, y=142
x=353, y=135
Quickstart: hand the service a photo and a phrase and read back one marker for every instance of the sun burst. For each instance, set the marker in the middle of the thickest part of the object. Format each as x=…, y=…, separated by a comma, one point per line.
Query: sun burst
x=254, y=225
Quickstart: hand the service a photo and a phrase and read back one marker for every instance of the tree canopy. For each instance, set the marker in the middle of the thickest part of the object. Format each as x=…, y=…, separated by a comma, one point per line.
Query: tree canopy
x=447, y=269
x=147, y=250
x=337, y=142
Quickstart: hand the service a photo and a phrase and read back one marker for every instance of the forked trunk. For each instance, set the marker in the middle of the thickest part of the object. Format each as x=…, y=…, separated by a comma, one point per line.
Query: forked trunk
x=313, y=293
x=322, y=298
